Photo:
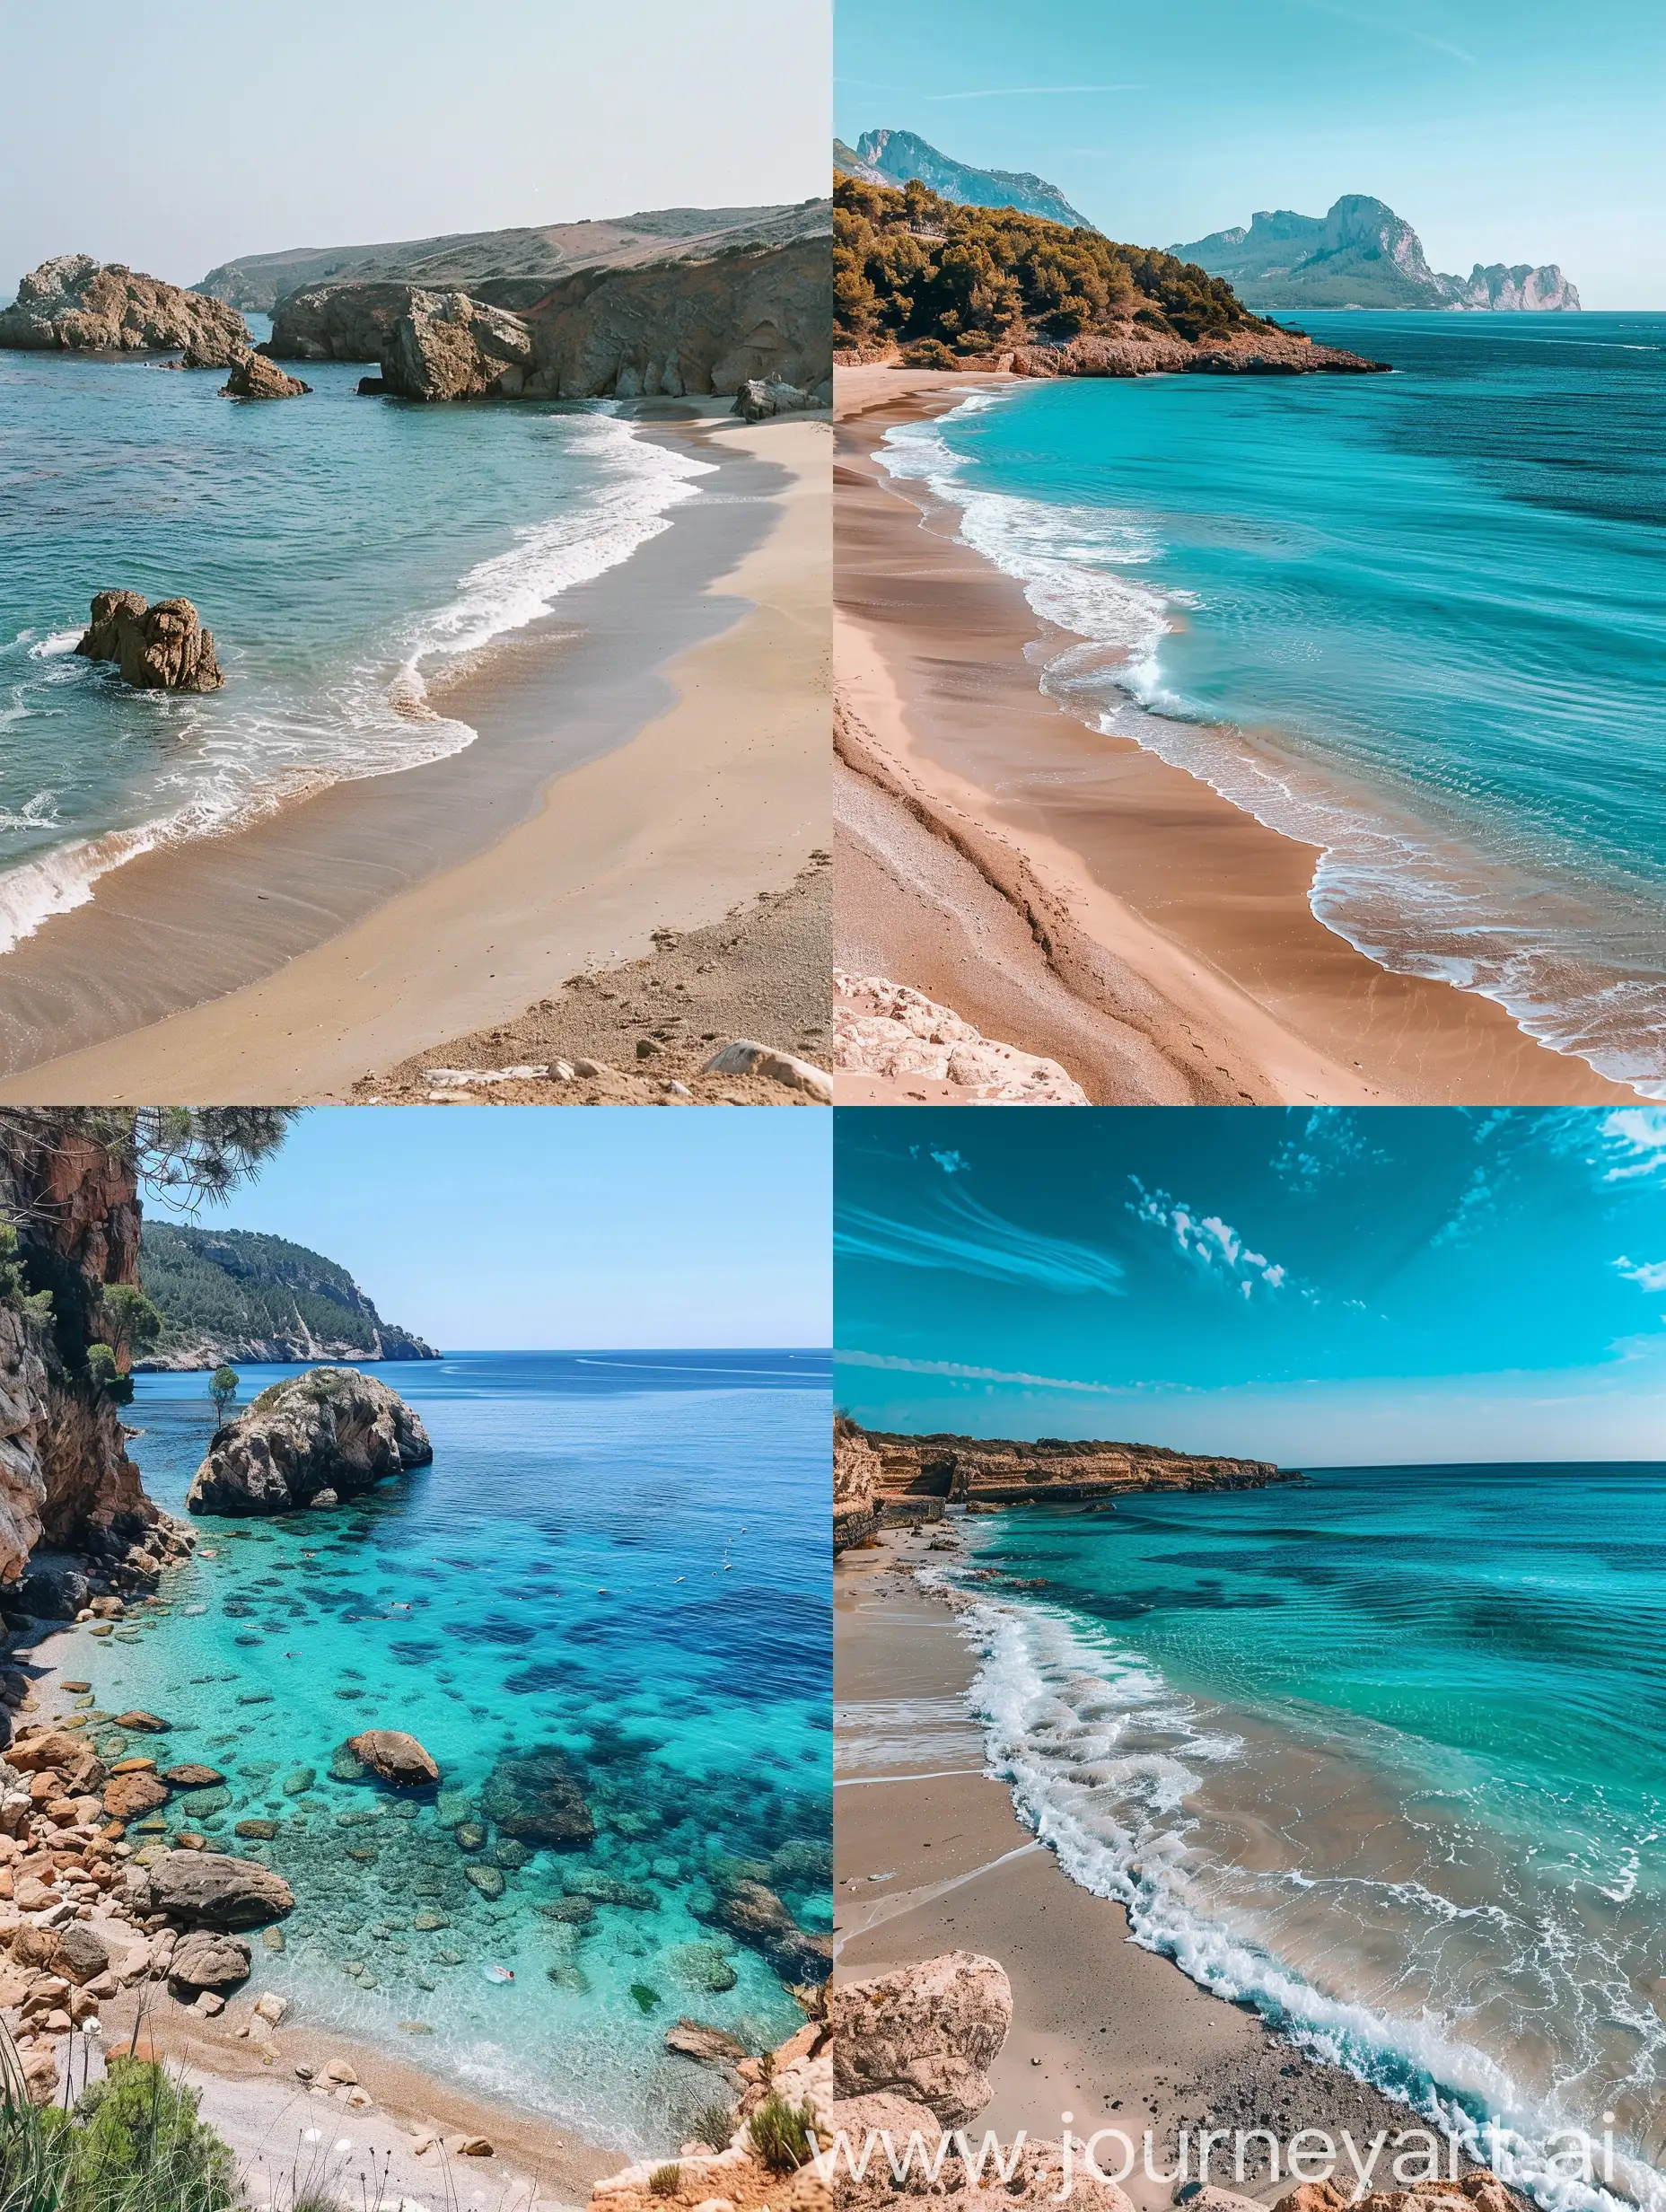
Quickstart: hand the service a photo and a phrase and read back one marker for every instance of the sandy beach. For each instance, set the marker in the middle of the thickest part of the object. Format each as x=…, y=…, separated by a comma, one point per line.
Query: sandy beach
x=650, y=757
x=1071, y=894
x=929, y=1857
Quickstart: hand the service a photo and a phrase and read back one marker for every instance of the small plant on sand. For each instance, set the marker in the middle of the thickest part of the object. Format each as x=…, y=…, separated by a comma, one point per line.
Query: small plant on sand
x=713, y=2124
x=782, y=2134
x=665, y=2182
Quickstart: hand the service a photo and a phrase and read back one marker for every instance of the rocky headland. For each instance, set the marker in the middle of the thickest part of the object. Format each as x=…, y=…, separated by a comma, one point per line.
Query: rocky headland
x=311, y=1440
x=979, y=1472
x=76, y=305
x=1136, y=351
x=162, y=647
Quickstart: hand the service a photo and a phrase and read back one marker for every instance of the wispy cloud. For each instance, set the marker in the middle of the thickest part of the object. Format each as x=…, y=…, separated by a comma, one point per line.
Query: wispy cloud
x=1633, y=1143
x=957, y=1371
x=1391, y=27
x=1214, y=1244
x=965, y=1238
x=1032, y=92
x=1647, y=1274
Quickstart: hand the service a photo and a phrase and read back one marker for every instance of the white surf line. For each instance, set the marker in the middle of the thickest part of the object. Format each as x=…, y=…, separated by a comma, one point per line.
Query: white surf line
x=931, y=1774
x=882, y=1908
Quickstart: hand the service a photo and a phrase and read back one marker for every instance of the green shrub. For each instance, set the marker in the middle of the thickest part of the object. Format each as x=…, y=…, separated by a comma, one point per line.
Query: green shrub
x=713, y=2124
x=133, y=2144
x=782, y=2133
x=665, y=2180
x=106, y=1376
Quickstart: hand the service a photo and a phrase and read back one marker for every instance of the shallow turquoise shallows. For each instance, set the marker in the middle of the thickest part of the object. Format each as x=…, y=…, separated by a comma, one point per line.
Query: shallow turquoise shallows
x=623, y=1556
x=1419, y=619
x=1379, y=1754
x=343, y=550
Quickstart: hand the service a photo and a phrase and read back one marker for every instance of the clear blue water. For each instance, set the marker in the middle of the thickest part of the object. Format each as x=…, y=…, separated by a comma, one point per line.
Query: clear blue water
x=622, y=1555
x=1381, y=1755
x=344, y=551
x=1417, y=620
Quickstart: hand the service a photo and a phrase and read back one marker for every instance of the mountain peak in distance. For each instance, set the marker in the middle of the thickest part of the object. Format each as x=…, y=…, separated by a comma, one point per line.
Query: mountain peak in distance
x=897, y=157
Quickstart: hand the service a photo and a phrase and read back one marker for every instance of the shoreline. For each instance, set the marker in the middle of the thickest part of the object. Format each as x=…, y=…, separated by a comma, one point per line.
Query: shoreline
x=279, y=963
x=930, y=1857
x=1071, y=894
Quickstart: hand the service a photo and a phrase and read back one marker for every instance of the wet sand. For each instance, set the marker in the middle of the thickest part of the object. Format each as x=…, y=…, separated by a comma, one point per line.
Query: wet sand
x=1078, y=897
x=649, y=756
x=929, y=1857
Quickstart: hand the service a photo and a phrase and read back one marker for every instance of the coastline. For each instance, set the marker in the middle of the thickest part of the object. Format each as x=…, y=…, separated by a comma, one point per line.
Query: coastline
x=929, y=1857
x=1071, y=894
x=649, y=755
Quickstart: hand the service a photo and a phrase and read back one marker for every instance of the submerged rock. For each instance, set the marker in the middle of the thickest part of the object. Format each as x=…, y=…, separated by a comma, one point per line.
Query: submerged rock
x=330, y=1429
x=753, y=1911
x=255, y=377
x=159, y=649
x=78, y=305
x=534, y=1795
x=395, y=1759
x=693, y=2038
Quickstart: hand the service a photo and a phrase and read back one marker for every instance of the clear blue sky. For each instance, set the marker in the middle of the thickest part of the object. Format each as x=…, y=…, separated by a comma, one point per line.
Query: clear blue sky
x=1513, y=130
x=1326, y=1289
x=523, y=1228
x=180, y=139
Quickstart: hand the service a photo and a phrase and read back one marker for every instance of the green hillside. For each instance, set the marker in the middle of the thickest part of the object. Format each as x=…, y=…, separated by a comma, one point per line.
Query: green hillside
x=233, y=1294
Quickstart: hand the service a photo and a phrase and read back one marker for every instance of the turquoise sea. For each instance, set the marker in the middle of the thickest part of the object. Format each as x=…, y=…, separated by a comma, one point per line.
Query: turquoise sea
x=1417, y=620
x=1379, y=1755
x=344, y=551
x=623, y=1556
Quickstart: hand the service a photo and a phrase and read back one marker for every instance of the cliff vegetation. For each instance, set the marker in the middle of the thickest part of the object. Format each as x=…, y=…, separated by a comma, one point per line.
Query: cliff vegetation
x=234, y=1293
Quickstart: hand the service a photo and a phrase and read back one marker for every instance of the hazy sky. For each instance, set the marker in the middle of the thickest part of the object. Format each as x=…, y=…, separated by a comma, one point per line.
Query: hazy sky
x=1513, y=130
x=177, y=141
x=1324, y=1289
x=525, y=1228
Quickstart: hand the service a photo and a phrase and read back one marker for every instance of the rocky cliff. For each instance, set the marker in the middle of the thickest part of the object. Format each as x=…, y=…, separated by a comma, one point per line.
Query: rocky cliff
x=856, y=1477
x=311, y=1440
x=894, y=157
x=82, y=306
x=235, y=1295
x=1050, y=1471
x=1361, y=254
x=510, y=269
x=672, y=328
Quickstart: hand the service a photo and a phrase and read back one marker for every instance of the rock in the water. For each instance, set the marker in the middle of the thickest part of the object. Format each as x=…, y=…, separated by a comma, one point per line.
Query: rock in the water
x=208, y=1959
x=395, y=1758
x=336, y=322
x=745, y=1057
x=446, y=345
x=129, y=1796
x=486, y=1879
x=332, y=1429
x=86, y=306
x=753, y=1911
x=535, y=1796
x=208, y=1889
x=760, y=396
x=925, y=2032
x=693, y=2038
x=192, y=1776
x=159, y=649
x=254, y=377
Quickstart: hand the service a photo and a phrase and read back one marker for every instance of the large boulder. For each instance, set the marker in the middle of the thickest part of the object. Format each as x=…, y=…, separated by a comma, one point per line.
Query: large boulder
x=760, y=396
x=129, y=1796
x=208, y=1889
x=925, y=2032
x=50, y=1593
x=396, y=1758
x=87, y=306
x=534, y=1797
x=208, y=1959
x=336, y=322
x=329, y=1430
x=255, y=377
x=446, y=345
x=159, y=649
x=753, y=1911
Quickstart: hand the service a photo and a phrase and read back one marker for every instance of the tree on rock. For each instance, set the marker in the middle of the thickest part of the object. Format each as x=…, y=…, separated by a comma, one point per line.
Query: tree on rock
x=223, y=1389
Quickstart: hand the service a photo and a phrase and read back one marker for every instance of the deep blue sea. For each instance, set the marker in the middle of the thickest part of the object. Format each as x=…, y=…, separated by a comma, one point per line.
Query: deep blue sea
x=1379, y=1754
x=1417, y=620
x=343, y=550
x=622, y=1555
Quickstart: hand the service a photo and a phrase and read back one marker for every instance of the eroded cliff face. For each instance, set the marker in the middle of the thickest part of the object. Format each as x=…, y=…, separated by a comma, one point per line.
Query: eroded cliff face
x=24, y=1421
x=855, y=1479
x=1052, y=1469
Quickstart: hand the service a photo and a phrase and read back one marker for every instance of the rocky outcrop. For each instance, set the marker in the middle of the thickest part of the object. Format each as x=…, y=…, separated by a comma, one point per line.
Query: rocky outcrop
x=22, y=1441
x=535, y=1797
x=82, y=306
x=210, y=1890
x=449, y=347
x=855, y=1475
x=889, y=1034
x=1137, y=351
x=752, y=1911
x=1361, y=254
x=992, y=1471
x=746, y=1057
x=926, y=2032
x=894, y=157
x=208, y=1959
x=757, y=399
x=256, y=377
x=395, y=1758
x=669, y=328
x=336, y=322
x=159, y=649
x=331, y=1431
